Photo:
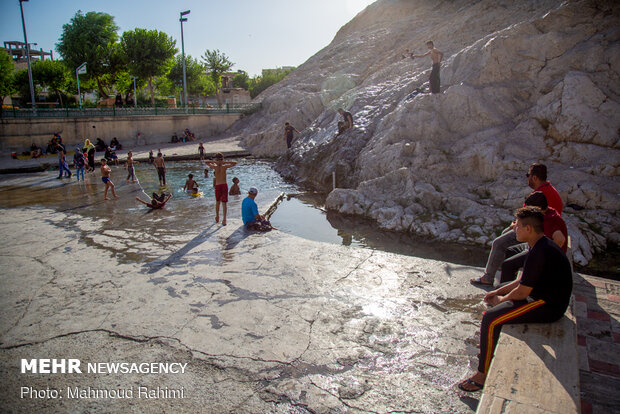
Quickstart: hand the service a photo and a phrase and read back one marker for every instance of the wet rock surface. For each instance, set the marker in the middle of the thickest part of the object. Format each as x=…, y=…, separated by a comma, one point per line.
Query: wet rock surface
x=265, y=322
x=522, y=82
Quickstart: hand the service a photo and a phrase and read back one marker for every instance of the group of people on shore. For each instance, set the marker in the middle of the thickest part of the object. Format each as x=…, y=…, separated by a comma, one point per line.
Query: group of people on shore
x=536, y=242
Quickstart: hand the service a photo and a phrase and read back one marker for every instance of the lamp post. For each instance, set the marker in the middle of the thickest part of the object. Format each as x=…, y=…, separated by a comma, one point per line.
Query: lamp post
x=135, y=96
x=184, y=19
x=34, y=106
x=78, y=70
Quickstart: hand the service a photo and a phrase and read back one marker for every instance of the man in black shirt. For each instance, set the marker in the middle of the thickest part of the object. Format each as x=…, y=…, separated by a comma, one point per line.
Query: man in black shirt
x=347, y=121
x=540, y=296
x=288, y=134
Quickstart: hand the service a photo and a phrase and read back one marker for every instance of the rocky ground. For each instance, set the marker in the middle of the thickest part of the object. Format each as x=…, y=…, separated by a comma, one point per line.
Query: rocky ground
x=522, y=82
x=266, y=323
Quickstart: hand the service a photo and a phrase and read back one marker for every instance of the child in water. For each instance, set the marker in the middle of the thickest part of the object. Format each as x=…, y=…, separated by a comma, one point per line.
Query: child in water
x=234, y=189
x=105, y=177
x=157, y=202
x=191, y=185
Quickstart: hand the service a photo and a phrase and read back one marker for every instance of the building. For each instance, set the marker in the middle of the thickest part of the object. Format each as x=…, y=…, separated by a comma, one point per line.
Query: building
x=17, y=50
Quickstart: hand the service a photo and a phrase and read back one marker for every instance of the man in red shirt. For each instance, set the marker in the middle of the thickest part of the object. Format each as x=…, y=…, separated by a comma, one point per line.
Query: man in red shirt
x=554, y=228
x=537, y=180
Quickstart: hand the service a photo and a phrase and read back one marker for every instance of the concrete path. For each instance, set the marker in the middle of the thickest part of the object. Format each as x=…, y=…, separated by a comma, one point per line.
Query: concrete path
x=188, y=150
x=597, y=306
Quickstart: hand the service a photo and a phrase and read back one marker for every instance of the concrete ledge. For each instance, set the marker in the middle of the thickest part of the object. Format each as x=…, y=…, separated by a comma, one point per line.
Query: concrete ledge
x=534, y=370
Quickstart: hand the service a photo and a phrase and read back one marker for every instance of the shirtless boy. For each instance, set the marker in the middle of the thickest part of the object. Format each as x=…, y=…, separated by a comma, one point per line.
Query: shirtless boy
x=436, y=58
x=190, y=185
x=221, y=187
x=105, y=177
x=161, y=168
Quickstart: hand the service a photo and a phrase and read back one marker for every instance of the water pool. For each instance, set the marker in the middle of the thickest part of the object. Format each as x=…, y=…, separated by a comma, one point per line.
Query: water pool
x=302, y=214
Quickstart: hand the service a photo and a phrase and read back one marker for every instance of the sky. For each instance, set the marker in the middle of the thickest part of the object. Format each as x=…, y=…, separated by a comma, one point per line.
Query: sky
x=254, y=34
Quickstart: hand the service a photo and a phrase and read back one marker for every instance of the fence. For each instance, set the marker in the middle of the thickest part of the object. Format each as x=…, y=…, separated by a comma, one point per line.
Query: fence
x=233, y=108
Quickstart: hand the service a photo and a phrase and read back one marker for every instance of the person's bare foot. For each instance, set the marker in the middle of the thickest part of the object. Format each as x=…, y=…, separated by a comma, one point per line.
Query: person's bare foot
x=115, y=196
x=223, y=222
x=217, y=219
x=106, y=198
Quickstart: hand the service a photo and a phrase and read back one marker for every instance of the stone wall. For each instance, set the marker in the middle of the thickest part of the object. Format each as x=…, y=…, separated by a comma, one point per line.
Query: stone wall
x=19, y=134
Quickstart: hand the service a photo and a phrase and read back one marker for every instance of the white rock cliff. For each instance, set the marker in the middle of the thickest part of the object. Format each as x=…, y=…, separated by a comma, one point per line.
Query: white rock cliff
x=522, y=82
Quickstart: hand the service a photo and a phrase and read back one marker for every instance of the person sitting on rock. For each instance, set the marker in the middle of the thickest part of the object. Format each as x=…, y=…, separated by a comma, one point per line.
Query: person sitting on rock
x=115, y=145
x=346, y=123
x=249, y=213
x=554, y=228
x=541, y=295
x=536, y=179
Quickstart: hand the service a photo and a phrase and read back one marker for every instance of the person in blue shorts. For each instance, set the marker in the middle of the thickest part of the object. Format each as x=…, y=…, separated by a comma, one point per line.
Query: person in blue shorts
x=249, y=213
x=105, y=177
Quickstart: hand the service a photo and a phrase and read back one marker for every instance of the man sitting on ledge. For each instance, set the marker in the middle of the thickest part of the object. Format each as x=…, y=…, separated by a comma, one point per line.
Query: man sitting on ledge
x=541, y=295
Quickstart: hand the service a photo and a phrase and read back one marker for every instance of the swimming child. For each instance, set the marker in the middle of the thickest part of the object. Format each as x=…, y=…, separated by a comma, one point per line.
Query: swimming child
x=105, y=177
x=221, y=187
x=157, y=202
x=235, y=190
x=191, y=185
x=206, y=173
x=130, y=170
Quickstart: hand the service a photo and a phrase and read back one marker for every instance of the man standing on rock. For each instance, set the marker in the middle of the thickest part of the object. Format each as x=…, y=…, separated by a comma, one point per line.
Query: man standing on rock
x=541, y=295
x=288, y=134
x=436, y=57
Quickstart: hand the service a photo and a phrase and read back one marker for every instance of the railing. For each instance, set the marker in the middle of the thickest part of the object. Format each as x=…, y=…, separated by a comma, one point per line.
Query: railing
x=229, y=108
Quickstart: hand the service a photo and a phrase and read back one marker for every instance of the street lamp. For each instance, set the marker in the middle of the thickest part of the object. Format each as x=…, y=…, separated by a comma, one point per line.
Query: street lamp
x=34, y=106
x=135, y=96
x=183, y=19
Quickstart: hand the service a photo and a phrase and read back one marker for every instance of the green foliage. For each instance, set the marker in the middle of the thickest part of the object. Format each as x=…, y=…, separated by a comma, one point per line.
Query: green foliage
x=7, y=81
x=197, y=82
x=270, y=77
x=51, y=74
x=216, y=63
x=22, y=85
x=148, y=53
x=241, y=80
x=90, y=38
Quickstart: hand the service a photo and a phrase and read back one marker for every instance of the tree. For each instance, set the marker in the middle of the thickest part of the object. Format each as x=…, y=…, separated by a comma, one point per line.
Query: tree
x=197, y=84
x=148, y=53
x=216, y=63
x=241, y=80
x=22, y=85
x=7, y=81
x=51, y=74
x=89, y=38
x=269, y=77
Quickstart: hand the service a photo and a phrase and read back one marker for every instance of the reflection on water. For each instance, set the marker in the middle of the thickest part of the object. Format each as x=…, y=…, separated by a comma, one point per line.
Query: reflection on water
x=301, y=217
x=174, y=228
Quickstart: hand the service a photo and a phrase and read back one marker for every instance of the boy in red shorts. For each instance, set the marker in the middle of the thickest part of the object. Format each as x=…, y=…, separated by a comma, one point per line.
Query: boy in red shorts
x=221, y=187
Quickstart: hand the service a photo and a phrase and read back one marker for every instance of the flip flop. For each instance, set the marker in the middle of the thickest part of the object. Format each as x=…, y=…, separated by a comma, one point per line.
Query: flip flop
x=470, y=382
x=480, y=281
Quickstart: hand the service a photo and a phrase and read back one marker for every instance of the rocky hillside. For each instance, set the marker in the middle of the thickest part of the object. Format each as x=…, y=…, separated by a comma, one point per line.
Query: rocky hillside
x=522, y=81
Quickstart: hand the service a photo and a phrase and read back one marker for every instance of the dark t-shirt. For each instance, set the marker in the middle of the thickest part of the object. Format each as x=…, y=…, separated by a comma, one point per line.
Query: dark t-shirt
x=289, y=131
x=547, y=271
x=348, y=117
